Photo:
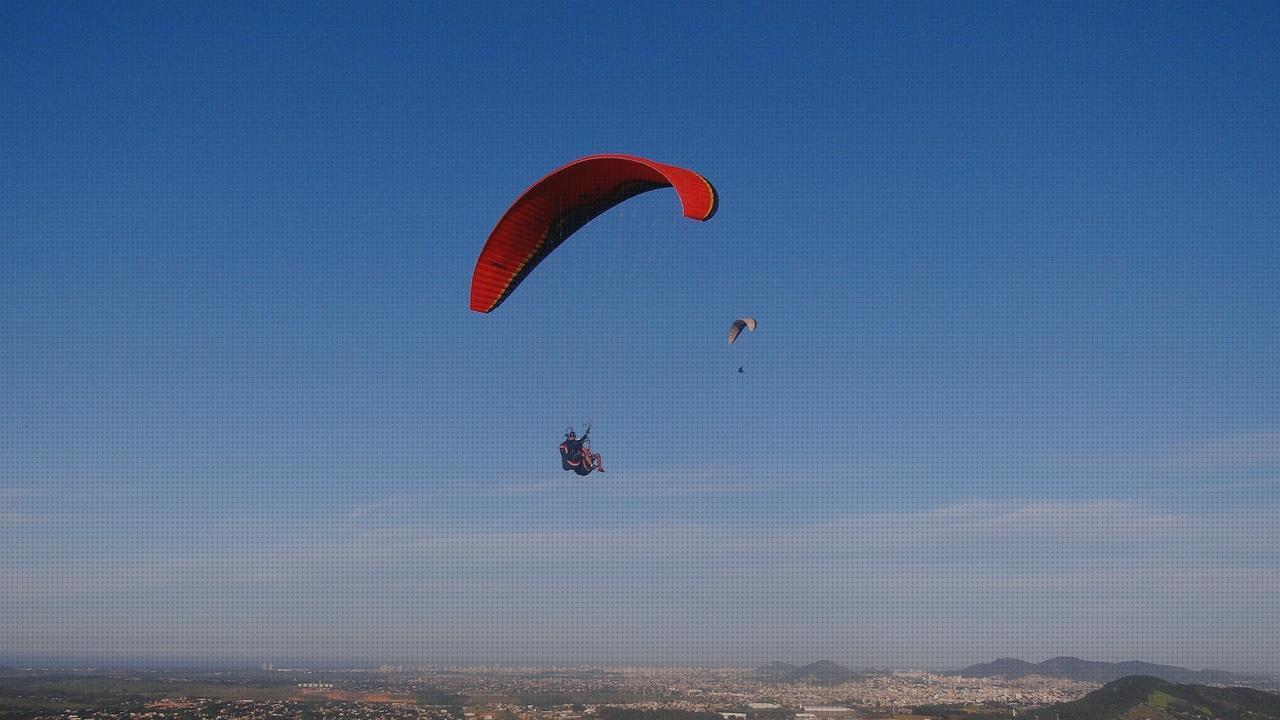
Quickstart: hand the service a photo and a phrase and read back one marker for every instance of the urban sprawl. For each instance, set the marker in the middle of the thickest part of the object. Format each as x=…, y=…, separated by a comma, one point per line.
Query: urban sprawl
x=565, y=693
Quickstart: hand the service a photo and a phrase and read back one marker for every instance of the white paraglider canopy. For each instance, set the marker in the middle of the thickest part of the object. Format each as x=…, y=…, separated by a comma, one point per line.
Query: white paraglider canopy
x=745, y=323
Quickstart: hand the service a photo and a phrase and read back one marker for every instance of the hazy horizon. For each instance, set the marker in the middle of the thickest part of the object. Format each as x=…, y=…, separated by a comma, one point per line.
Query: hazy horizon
x=246, y=664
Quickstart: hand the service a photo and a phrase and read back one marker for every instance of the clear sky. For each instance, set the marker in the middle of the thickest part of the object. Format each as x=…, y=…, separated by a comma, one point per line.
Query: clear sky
x=1014, y=391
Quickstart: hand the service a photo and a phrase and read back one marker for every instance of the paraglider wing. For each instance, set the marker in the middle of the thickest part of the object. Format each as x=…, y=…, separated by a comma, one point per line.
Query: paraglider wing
x=746, y=323
x=561, y=203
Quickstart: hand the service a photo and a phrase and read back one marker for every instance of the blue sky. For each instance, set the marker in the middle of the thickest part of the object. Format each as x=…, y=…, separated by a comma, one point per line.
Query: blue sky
x=1014, y=391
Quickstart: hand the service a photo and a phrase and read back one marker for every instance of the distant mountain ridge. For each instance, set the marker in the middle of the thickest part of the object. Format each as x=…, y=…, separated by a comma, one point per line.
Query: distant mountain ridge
x=1155, y=699
x=1072, y=668
x=822, y=672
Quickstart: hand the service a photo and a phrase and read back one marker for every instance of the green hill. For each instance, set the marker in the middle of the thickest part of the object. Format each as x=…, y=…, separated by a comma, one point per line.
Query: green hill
x=1140, y=697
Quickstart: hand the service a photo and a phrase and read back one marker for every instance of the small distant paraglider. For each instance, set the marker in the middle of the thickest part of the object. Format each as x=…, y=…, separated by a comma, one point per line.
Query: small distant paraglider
x=736, y=328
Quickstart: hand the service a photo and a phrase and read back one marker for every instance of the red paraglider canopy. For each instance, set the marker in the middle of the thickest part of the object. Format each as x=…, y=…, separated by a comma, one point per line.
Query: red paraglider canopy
x=559, y=204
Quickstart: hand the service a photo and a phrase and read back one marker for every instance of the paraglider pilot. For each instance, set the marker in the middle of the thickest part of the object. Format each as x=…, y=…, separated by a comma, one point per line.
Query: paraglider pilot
x=576, y=455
